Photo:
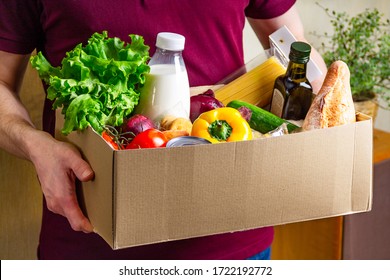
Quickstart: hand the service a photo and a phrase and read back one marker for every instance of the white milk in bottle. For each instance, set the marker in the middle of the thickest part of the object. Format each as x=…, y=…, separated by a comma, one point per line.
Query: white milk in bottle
x=166, y=90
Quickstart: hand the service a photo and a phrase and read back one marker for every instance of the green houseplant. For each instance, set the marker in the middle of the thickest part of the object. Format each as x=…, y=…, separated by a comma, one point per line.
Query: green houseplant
x=363, y=43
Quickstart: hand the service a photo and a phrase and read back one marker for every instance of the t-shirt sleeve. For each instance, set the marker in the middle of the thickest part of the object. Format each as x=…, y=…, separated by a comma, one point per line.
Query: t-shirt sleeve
x=266, y=9
x=19, y=26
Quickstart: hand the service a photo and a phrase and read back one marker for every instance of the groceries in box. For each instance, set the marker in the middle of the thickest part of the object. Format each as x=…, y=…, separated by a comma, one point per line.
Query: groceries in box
x=144, y=196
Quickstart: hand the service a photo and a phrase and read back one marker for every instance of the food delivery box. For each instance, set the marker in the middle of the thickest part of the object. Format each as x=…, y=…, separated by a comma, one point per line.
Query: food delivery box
x=154, y=195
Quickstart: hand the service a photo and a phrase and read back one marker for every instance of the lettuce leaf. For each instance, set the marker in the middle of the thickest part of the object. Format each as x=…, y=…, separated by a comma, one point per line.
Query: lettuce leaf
x=97, y=84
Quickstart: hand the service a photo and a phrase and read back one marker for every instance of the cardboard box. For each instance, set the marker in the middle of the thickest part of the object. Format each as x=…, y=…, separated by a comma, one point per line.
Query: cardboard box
x=155, y=195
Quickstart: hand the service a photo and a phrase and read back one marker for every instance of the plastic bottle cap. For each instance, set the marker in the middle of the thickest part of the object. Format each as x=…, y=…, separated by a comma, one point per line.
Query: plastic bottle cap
x=170, y=41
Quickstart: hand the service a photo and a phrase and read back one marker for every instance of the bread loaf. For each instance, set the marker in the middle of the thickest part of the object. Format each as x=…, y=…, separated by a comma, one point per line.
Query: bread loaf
x=333, y=104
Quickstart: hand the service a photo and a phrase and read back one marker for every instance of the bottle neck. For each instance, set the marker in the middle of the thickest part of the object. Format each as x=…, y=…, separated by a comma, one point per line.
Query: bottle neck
x=296, y=71
x=163, y=56
x=167, y=52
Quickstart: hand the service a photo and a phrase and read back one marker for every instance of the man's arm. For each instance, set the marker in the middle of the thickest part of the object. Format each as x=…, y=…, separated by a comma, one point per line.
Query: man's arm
x=57, y=164
x=264, y=27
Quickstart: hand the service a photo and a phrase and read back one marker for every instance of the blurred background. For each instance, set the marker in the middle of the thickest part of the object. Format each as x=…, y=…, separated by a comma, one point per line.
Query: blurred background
x=20, y=196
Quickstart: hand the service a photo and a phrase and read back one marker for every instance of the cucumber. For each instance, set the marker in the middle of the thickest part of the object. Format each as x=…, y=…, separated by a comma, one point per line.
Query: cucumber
x=262, y=120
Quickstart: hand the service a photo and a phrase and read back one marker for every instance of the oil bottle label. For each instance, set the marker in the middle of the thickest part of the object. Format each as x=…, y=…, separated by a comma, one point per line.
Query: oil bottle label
x=277, y=103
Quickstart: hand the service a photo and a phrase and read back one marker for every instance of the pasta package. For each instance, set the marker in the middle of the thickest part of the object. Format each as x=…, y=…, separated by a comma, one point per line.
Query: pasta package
x=254, y=86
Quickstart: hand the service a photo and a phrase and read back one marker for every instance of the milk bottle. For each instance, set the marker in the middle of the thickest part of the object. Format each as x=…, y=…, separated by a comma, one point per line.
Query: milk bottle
x=166, y=90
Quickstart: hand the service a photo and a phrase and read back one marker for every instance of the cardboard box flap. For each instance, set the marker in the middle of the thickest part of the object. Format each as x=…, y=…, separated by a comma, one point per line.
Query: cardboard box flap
x=98, y=198
x=95, y=198
x=362, y=176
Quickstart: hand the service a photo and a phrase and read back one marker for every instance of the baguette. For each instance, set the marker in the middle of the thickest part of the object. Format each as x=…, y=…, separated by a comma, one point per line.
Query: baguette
x=333, y=104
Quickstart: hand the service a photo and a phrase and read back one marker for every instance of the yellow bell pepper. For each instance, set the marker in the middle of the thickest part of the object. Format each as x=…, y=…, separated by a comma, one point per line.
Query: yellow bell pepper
x=222, y=125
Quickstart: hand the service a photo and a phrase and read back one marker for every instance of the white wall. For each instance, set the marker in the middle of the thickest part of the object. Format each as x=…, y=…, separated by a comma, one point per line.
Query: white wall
x=315, y=19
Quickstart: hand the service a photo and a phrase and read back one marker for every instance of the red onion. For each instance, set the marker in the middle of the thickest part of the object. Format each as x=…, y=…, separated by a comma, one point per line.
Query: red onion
x=137, y=124
x=245, y=112
x=202, y=103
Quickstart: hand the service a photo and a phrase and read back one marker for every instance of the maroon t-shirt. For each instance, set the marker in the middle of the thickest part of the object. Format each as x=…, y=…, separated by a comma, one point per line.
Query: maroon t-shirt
x=213, y=49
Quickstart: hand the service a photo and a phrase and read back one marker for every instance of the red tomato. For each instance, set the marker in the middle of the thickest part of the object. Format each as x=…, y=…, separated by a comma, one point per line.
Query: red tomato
x=110, y=141
x=150, y=138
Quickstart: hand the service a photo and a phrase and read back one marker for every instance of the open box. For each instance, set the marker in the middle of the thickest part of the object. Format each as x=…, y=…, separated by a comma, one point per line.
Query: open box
x=155, y=195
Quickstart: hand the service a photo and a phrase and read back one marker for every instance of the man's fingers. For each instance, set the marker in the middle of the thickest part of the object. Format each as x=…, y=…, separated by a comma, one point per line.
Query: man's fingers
x=76, y=218
x=59, y=187
x=78, y=221
x=80, y=167
x=83, y=172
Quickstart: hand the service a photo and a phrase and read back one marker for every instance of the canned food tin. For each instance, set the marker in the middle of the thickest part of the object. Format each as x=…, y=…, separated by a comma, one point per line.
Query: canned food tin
x=186, y=141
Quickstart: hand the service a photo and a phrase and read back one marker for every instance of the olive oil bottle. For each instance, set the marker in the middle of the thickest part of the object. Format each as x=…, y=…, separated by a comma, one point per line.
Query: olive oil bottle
x=293, y=93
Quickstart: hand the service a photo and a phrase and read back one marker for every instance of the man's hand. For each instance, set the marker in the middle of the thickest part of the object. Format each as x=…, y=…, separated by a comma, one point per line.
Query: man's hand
x=58, y=165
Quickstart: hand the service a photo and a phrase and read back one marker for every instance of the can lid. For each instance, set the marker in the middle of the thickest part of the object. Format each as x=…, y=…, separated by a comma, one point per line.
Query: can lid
x=186, y=141
x=300, y=52
x=170, y=41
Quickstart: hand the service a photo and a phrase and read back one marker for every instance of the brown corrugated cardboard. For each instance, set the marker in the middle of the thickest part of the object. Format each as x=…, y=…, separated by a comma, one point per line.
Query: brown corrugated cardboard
x=155, y=195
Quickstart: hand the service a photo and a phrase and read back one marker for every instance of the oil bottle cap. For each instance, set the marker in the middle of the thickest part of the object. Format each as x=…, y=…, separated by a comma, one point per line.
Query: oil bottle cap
x=170, y=41
x=300, y=52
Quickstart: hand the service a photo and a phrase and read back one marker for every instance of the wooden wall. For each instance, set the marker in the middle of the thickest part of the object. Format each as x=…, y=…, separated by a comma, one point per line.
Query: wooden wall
x=20, y=195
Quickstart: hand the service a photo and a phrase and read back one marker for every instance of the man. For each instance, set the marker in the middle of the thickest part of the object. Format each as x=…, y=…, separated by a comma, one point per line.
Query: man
x=213, y=31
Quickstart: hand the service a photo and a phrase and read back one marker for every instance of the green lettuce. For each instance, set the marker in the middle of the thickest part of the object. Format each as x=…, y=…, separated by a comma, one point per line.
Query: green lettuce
x=97, y=84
